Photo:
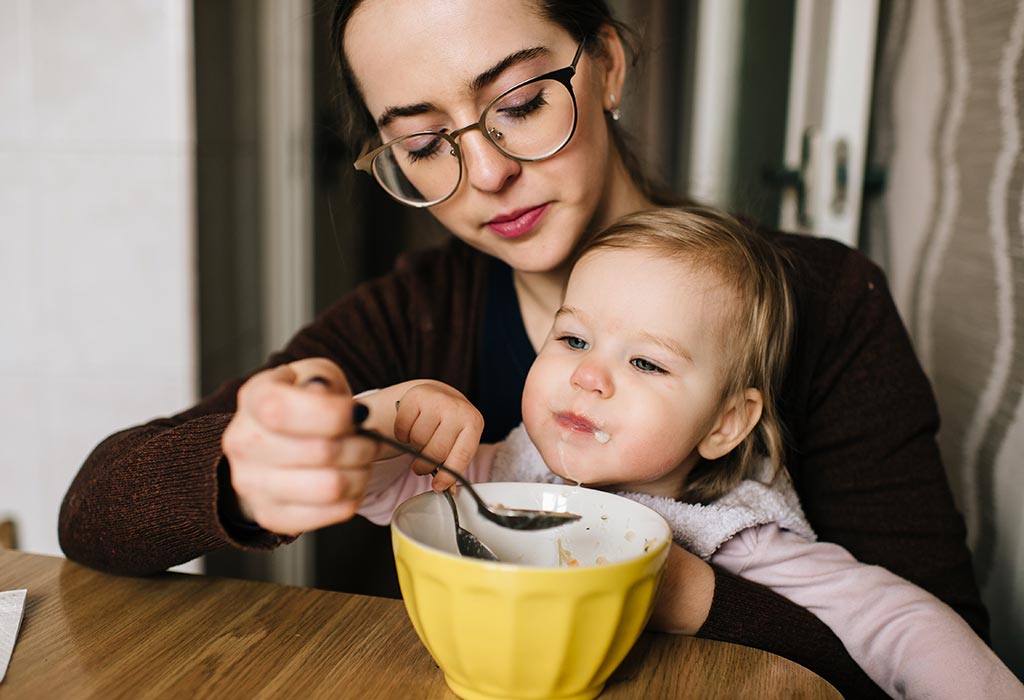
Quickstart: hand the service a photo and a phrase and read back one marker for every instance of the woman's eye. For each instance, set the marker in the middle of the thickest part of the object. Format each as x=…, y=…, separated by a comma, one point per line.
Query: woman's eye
x=646, y=366
x=428, y=150
x=521, y=109
x=574, y=342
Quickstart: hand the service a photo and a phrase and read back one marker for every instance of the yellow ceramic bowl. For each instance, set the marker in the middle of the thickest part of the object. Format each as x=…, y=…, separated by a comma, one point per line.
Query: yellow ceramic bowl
x=556, y=615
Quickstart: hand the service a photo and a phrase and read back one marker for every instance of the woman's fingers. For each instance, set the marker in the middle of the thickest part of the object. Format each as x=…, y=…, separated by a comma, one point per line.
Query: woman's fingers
x=294, y=519
x=321, y=372
x=274, y=400
x=248, y=440
x=294, y=461
x=316, y=486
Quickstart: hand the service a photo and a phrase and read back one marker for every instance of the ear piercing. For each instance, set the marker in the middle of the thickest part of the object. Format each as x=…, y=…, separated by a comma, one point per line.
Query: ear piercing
x=614, y=111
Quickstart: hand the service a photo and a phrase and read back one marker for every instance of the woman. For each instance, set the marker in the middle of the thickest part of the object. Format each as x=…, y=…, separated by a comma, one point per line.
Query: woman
x=264, y=458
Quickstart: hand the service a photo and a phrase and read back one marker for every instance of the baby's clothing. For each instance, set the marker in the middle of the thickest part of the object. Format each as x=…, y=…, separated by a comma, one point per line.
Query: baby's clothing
x=908, y=641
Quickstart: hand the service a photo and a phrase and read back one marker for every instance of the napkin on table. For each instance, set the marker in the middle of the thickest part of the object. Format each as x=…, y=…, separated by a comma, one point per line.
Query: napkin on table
x=12, y=607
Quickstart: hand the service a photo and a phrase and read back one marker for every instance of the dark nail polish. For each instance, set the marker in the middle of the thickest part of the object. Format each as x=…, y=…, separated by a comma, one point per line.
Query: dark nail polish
x=316, y=379
x=360, y=412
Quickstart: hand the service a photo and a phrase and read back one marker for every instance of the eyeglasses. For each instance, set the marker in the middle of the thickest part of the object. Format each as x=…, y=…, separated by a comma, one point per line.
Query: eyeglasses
x=529, y=122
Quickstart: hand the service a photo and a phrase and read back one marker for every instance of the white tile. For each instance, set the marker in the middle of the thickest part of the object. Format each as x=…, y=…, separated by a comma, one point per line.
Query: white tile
x=117, y=285
x=14, y=71
x=17, y=320
x=75, y=411
x=19, y=443
x=111, y=71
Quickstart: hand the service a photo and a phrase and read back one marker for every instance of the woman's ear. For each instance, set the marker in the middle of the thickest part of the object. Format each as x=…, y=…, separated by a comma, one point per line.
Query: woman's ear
x=738, y=417
x=613, y=61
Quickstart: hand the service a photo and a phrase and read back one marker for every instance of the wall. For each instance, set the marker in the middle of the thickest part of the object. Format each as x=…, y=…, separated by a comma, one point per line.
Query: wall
x=949, y=128
x=96, y=237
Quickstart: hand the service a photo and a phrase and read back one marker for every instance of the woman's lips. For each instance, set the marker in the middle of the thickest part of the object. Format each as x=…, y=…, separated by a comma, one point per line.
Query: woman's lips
x=517, y=223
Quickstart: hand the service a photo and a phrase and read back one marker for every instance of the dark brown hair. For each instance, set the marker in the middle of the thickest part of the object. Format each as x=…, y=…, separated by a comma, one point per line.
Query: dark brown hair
x=582, y=19
x=758, y=331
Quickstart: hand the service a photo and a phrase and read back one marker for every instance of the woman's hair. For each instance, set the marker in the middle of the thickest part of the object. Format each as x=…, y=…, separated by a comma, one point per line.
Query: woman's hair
x=757, y=328
x=582, y=19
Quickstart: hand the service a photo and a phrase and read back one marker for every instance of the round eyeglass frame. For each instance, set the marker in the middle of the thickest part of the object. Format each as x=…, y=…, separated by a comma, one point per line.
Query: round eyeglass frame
x=563, y=76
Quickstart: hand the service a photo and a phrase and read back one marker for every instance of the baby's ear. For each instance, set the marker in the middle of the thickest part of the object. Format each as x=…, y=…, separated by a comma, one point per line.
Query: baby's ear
x=738, y=417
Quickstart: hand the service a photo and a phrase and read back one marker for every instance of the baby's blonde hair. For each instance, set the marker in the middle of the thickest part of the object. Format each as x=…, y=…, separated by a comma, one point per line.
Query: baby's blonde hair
x=758, y=324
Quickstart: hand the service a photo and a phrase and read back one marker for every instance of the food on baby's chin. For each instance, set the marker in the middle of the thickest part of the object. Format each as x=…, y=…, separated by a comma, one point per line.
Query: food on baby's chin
x=601, y=436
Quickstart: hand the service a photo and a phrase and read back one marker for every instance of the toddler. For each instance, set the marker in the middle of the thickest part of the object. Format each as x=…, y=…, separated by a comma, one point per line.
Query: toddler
x=658, y=381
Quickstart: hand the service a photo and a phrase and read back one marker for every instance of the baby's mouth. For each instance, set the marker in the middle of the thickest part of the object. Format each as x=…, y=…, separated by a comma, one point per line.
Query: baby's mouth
x=581, y=424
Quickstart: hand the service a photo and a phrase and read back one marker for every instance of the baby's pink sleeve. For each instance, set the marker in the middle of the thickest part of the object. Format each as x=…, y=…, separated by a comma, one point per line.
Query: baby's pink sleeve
x=908, y=641
x=392, y=482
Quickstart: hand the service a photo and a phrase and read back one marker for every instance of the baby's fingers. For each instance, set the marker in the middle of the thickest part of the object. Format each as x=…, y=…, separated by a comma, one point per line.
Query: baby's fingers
x=461, y=452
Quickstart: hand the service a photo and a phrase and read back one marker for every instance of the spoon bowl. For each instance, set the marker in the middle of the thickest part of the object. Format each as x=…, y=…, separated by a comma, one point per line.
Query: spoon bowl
x=512, y=518
x=466, y=541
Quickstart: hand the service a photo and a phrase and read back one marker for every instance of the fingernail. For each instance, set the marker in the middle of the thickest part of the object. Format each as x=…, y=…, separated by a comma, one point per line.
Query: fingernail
x=360, y=412
x=316, y=379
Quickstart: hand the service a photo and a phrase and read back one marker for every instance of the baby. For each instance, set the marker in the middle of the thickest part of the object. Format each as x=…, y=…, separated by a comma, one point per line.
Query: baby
x=658, y=381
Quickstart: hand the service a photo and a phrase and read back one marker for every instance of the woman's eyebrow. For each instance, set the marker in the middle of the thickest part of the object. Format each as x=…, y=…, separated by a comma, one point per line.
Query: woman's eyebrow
x=478, y=83
x=491, y=74
x=407, y=111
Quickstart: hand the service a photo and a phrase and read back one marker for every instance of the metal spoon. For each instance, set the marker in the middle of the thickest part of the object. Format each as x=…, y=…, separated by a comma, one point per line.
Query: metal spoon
x=512, y=518
x=469, y=545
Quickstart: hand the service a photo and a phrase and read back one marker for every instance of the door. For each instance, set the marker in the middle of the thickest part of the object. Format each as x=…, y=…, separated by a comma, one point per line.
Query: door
x=828, y=112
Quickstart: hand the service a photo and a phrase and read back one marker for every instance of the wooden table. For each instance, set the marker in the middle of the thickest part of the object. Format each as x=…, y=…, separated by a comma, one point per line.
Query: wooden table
x=91, y=635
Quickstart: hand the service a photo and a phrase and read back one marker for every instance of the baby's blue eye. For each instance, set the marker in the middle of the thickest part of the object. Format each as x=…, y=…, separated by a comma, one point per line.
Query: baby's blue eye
x=645, y=365
x=574, y=342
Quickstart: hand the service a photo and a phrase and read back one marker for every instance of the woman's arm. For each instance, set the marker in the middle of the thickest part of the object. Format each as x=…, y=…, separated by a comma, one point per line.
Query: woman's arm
x=908, y=641
x=156, y=495
x=866, y=462
x=861, y=421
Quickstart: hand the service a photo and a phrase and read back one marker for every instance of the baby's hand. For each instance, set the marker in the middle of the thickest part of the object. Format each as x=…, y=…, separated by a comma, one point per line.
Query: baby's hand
x=441, y=423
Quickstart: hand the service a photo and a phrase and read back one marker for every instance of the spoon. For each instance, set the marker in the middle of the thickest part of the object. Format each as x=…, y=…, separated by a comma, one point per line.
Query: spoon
x=469, y=545
x=512, y=518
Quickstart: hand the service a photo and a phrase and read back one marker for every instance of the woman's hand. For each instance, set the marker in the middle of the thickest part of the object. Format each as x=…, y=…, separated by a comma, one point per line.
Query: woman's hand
x=684, y=598
x=295, y=464
x=442, y=424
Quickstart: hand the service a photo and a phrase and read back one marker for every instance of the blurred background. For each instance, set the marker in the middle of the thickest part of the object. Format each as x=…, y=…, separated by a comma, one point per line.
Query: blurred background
x=174, y=203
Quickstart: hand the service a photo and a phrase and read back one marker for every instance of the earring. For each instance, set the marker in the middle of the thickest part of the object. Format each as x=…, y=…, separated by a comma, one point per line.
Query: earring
x=614, y=111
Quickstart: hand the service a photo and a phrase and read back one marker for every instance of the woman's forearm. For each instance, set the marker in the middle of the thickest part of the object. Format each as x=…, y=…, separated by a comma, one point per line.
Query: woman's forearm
x=685, y=596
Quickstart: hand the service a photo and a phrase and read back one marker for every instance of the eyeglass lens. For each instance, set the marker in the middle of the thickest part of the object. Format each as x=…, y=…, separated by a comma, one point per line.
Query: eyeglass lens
x=530, y=122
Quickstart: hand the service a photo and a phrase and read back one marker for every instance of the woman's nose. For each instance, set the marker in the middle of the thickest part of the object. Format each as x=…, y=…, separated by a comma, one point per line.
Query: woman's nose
x=592, y=375
x=487, y=168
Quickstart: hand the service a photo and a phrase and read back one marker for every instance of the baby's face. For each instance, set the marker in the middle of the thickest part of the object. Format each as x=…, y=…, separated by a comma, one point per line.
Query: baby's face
x=629, y=380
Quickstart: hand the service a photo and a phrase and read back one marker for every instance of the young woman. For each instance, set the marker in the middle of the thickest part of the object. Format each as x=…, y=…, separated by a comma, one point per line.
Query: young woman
x=518, y=172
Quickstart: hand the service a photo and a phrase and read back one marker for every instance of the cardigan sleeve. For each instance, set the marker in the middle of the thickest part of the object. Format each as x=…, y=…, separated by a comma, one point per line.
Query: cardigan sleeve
x=861, y=422
x=151, y=497
x=867, y=466
x=907, y=640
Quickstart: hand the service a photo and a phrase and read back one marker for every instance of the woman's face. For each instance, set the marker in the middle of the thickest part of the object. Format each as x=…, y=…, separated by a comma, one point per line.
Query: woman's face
x=440, y=62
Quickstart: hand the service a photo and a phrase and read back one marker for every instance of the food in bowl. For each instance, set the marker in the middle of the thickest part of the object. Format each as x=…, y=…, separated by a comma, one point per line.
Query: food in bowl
x=555, y=615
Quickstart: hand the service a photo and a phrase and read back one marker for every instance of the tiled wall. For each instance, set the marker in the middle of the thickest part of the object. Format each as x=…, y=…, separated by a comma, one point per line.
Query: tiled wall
x=97, y=317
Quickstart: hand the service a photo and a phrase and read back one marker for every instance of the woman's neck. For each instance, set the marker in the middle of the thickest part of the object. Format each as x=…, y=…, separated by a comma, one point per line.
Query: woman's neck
x=539, y=294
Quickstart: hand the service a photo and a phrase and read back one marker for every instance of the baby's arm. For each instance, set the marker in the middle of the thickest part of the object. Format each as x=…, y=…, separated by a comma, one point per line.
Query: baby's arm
x=435, y=419
x=393, y=481
x=908, y=641
x=430, y=416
